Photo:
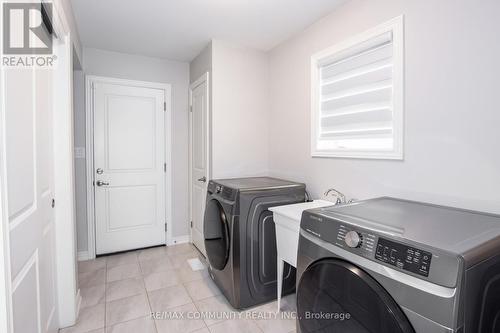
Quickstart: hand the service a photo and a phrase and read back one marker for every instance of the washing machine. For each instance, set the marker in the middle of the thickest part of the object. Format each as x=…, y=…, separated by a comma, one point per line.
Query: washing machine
x=393, y=266
x=240, y=237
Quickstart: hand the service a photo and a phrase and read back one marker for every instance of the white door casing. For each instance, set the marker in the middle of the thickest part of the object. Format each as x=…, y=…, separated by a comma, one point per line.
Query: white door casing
x=68, y=295
x=199, y=156
x=129, y=148
x=30, y=190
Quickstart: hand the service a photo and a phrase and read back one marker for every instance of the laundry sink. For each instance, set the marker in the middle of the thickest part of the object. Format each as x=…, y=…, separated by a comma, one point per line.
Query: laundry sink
x=288, y=216
x=287, y=220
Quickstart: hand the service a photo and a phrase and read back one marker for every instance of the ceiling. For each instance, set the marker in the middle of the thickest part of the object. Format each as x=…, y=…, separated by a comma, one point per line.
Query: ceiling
x=179, y=29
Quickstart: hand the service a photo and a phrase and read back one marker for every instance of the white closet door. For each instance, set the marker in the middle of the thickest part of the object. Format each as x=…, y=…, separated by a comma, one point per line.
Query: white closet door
x=29, y=155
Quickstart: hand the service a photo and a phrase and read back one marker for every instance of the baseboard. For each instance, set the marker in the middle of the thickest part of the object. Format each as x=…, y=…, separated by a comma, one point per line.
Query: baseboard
x=78, y=302
x=51, y=322
x=180, y=240
x=83, y=255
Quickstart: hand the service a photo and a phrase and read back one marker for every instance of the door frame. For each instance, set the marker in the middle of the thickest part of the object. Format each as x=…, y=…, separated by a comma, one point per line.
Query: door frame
x=90, y=80
x=68, y=293
x=203, y=78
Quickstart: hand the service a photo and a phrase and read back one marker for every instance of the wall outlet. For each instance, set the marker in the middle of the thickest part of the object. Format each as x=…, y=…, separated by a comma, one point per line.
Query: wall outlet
x=79, y=152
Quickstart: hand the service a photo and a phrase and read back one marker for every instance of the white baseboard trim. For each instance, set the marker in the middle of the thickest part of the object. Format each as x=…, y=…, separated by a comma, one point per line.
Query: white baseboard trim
x=180, y=240
x=83, y=255
x=51, y=324
x=78, y=302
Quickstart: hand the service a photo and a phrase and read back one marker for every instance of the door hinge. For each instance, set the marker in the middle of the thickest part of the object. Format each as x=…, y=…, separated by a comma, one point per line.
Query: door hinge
x=53, y=203
x=190, y=108
x=164, y=106
x=165, y=227
x=165, y=167
x=191, y=224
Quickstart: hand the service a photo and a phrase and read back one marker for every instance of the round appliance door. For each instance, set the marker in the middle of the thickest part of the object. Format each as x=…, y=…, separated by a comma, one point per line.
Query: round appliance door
x=216, y=233
x=336, y=296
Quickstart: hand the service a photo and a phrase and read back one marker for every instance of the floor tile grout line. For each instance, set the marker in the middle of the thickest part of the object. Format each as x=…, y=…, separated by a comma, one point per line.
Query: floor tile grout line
x=149, y=304
x=126, y=321
x=203, y=320
x=142, y=277
x=129, y=278
x=118, y=281
x=105, y=294
x=128, y=264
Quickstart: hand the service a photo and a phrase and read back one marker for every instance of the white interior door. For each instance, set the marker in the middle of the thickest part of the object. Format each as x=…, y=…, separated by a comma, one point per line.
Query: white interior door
x=199, y=158
x=129, y=161
x=29, y=155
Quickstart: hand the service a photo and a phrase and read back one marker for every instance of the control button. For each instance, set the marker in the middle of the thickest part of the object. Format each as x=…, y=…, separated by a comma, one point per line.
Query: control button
x=218, y=189
x=353, y=239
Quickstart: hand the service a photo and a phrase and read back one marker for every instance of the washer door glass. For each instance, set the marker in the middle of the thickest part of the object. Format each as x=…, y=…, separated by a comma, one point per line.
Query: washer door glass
x=336, y=296
x=216, y=232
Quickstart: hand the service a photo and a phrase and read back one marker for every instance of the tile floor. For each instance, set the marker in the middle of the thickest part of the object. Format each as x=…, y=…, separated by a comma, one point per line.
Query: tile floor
x=155, y=290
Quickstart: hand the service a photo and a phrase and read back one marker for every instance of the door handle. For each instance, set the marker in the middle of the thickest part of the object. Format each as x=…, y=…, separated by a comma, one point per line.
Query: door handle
x=101, y=183
x=202, y=179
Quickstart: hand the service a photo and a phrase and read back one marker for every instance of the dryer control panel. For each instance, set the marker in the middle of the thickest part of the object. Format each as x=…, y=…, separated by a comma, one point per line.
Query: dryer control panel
x=376, y=246
x=403, y=256
x=356, y=239
x=221, y=191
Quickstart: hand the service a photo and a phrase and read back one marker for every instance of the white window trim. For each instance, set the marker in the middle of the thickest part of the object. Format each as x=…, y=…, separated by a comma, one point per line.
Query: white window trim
x=397, y=28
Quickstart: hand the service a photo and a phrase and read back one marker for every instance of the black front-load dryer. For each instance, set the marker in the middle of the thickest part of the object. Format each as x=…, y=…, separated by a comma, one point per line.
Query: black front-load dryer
x=240, y=237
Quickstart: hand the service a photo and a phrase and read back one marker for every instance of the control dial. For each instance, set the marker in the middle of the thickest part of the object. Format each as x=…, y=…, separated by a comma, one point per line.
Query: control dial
x=353, y=239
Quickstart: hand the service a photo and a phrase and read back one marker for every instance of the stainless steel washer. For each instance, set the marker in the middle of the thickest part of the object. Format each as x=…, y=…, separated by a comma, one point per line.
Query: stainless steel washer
x=240, y=237
x=392, y=265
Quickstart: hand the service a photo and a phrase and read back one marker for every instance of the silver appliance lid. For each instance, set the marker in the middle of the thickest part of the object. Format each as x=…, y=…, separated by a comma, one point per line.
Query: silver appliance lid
x=256, y=183
x=451, y=229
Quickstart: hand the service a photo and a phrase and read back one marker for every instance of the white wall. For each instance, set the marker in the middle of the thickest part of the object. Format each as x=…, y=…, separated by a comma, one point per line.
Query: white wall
x=201, y=64
x=240, y=111
x=451, y=117
x=133, y=67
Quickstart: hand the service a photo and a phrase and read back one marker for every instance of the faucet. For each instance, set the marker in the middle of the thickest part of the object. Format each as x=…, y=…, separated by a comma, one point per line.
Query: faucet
x=341, y=199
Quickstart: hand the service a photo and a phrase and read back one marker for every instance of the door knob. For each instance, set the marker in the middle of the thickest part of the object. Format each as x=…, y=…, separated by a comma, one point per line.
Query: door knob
x=101, y=183
x=202, y=179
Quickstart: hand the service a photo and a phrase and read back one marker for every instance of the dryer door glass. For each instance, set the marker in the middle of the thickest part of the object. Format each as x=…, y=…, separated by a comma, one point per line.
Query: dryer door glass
x=216, y=231
x=336, y=296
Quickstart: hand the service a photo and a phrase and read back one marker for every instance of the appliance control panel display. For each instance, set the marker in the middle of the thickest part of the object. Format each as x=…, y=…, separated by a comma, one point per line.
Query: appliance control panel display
x=356, y=241
x=403, y=256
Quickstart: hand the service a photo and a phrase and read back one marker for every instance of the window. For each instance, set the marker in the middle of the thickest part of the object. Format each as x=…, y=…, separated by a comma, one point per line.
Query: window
x=357, y=96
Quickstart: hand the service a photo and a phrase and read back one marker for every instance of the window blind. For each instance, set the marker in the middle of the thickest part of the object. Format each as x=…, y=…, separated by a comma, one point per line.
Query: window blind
x=356, y=97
